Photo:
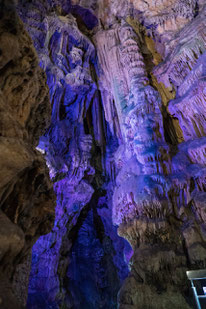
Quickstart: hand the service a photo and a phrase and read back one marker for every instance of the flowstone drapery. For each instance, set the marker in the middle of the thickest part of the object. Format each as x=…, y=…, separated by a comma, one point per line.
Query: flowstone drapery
x=125, y=150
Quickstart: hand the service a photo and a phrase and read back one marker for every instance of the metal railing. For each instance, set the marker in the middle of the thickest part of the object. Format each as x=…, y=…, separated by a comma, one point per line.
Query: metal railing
x=197, y=275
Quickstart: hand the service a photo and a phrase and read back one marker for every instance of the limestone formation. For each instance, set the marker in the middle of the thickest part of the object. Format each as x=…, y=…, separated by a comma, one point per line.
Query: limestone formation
x=26, y=194
x=125, y=151
x=153, y=201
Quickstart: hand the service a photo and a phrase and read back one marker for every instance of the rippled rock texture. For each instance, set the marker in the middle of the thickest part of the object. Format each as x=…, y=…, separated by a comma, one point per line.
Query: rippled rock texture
x=26, y=194
x=125, y=150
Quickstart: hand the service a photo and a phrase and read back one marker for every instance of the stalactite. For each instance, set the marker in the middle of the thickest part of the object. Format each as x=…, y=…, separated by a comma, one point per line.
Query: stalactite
x=125, y=151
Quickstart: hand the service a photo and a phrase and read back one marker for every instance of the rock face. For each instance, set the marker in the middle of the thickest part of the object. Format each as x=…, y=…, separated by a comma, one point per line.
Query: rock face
x=159, y=176
x=26, y=194
x=76, y=147
x=125, y=150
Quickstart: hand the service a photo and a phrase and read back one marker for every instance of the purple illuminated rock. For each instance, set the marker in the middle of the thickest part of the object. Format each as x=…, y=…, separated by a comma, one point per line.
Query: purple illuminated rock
x=125, y=149
x=156, y=182
x=76, y=147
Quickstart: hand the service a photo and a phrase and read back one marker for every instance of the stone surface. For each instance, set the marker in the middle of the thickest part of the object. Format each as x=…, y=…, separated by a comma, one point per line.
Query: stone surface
x=75, y=149
x=153, y=197
x=125, y=150
x=26, y=194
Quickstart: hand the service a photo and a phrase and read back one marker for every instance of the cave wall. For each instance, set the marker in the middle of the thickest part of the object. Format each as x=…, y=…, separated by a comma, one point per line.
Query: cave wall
x=125, y=151
x=77, y=146
x=26, y=193
x=156, y=80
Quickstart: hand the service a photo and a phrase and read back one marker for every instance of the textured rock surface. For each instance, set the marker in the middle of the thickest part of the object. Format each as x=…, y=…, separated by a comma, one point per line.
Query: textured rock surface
x=126, y=150
x=26, y=194
x=75, y=148
x=158, y=180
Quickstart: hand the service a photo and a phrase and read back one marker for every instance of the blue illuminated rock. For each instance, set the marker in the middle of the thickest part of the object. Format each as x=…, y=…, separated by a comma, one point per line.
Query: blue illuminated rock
x=125, y=151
